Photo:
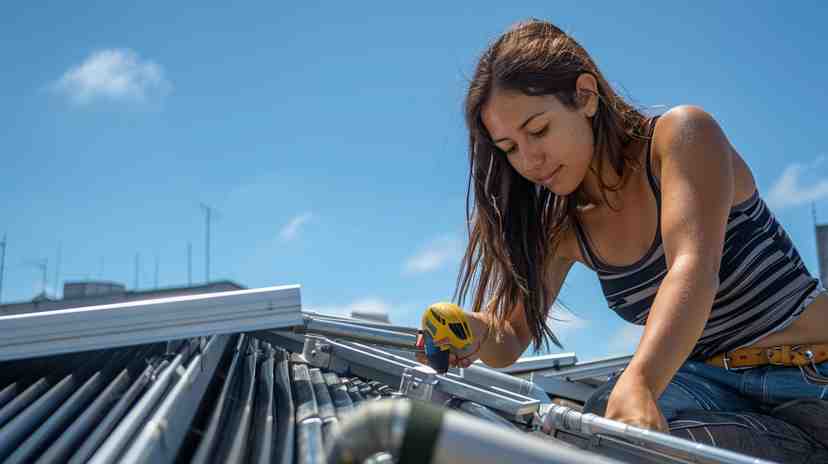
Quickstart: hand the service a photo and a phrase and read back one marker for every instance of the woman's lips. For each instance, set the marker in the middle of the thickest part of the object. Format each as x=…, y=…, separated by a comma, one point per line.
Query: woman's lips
x=551, y=176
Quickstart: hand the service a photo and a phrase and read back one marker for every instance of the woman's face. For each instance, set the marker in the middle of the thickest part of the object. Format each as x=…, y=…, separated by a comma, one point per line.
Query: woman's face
x=545, y=141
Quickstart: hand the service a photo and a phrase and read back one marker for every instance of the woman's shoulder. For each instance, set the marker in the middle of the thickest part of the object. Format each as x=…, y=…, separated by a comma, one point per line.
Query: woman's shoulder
x=683, y=125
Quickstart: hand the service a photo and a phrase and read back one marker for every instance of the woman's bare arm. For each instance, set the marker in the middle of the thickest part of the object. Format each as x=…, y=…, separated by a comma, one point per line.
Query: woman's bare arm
x=697, y=193
x=516, y=336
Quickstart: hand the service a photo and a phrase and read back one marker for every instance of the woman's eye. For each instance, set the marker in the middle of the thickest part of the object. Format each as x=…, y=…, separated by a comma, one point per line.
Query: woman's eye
x=540, y=132
x=507, y=151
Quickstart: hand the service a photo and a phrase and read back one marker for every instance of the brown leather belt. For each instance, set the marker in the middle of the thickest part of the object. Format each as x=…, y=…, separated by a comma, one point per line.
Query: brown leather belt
x=782, y=355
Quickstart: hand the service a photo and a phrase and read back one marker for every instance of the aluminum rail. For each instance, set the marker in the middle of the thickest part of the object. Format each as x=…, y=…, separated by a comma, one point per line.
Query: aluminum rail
x=393, y=338
x=534, y=364
x=413, y=431
x=474, y=376
x=591, y=369
x=634, y=438
x=148, y=321
x=356, y=331
x=362, y=322
x=372, y=363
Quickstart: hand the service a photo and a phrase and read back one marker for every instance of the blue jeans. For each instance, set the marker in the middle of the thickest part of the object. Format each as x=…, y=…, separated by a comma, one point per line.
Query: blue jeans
x=756, y=411
x=697, y=386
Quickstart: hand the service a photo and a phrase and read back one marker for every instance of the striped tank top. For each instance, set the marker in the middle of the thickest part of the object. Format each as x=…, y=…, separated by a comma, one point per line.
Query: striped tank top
x=763, y=284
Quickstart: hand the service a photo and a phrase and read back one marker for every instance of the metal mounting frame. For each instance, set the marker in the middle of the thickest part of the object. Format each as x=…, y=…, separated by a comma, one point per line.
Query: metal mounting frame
x=148, y=321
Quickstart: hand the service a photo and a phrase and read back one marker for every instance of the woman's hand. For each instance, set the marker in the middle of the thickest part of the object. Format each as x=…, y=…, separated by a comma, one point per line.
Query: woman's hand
x=632, y=403
x=465, y=357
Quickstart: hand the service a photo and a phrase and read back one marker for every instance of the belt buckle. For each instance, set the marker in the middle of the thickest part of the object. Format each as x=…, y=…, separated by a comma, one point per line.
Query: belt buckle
x=726, y=361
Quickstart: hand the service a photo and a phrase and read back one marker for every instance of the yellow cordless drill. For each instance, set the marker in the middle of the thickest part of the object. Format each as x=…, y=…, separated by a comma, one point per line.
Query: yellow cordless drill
x=446, y=324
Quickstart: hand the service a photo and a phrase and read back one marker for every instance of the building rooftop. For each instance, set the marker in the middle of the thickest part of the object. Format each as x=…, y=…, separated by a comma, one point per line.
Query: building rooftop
x=248, y=376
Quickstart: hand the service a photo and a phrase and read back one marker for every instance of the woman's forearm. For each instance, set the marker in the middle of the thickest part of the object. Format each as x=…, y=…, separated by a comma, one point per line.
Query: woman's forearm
x=495, y=353
x=674, y=325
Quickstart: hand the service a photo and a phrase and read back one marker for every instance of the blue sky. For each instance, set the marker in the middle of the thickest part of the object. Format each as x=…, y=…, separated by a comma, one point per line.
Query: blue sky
x=330, y=137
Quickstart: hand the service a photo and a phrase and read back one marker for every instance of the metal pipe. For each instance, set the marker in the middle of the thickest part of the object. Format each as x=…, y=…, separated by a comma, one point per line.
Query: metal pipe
x=208, y=441
x=263, y=418
x=363, y=322
x=7, y=393
x=29, y=395
x=563, y=418
x=327, y=412
x=285, y=415
x=357, y=332
x=402, y=427
x=24, y=423
x=70, y=439
x=161, y=435
x=114, y=416
x=484, y=376
x=241, y=431
x=309, y=445
x=59, y=419
x=120, y=438
x=339, y=394
x=482, y=412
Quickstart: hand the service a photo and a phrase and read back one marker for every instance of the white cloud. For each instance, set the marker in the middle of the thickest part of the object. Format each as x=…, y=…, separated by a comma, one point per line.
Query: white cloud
x=625, y=341
x=291, y=230
x=434, y=255
x=114, y=74
x=564, y=323
x=790, y=190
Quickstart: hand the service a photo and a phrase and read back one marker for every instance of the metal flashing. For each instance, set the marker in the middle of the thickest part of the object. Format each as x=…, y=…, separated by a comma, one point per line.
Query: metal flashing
x=148, y=321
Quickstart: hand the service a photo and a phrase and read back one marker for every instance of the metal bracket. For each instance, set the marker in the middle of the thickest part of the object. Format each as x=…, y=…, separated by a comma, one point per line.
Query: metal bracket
x=418, y=382
x=317, y=353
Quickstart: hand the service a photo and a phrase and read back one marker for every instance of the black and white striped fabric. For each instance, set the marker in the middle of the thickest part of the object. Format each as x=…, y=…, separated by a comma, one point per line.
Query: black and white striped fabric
x=764, y=286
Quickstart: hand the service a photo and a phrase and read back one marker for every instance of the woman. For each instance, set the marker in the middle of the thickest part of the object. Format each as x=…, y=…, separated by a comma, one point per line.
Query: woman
x=666, y=212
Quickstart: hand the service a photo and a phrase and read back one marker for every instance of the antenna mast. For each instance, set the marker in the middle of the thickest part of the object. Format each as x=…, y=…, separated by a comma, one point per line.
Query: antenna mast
x=2, y=264
x=57, y=271
x=208, y=210
x=137, y=269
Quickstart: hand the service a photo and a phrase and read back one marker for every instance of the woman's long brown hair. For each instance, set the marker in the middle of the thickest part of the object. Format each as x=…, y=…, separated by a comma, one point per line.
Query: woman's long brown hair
x=514, y=227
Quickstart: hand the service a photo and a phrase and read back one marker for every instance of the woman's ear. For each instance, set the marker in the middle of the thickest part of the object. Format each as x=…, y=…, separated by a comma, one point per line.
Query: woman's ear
x=586, y=94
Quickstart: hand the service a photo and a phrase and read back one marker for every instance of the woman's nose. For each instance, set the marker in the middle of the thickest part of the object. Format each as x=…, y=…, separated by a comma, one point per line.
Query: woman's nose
x=534, y=157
